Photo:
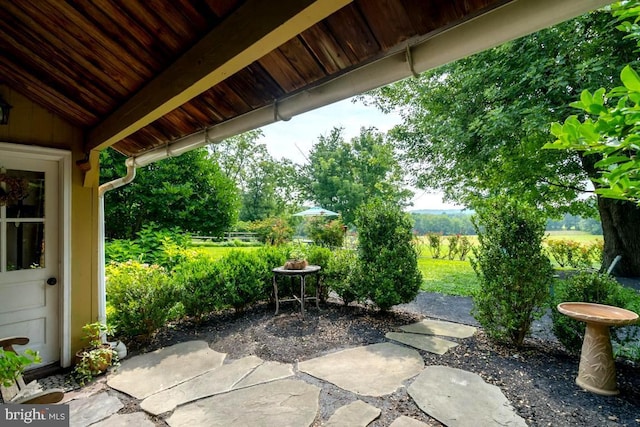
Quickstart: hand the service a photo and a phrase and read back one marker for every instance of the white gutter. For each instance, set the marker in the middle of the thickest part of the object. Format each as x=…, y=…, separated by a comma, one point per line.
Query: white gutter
x=102, y=287
x=504, y=23
x=512, y=20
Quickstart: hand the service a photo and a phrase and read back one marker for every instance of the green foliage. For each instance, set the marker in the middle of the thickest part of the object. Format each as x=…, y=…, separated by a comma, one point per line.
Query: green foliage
x=602, y=289
x=319, y=255
x=464, y=247
x=268, y=187
x=340, y=276
x=328, y=233
x=97, y=356
x=513, y=271
x=164, y=247
x=199, y=284
x=388, y=257
x=141, y=298
x=453, y=246
x=187, y=191
x=272, y=231
x=12, y=365
x=342, y=175
x=435, y=244
x=243, y=278
x=569, y=253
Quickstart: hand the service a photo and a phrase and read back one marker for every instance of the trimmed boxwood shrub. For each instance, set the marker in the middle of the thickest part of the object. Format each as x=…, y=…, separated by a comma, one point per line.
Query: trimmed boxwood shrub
x=199, y=284
x=388, y=257
x=242, y=274
x=513, y=271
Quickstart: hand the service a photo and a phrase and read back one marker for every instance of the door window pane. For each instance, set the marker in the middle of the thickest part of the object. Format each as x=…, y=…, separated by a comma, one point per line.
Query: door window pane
x=29, y=187
x=25, y=245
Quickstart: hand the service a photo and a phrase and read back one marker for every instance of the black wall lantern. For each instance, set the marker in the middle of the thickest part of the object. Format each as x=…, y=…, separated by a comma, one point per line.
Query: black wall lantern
x=4, y=111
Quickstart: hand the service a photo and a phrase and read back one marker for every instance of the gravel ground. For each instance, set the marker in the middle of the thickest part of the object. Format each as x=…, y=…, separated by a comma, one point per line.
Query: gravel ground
x=538, y=379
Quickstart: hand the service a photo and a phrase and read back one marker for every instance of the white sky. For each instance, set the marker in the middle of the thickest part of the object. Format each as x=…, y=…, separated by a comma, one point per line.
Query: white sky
x=294, y=139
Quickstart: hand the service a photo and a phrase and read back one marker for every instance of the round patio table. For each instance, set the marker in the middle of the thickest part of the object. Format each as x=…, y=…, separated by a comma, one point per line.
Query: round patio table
x=302, y=274
x=597, y=370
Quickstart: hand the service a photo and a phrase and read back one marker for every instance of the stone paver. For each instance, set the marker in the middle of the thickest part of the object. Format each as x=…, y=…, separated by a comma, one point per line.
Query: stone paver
x=459, y=398
x=355, y=414
x=422, y=342
x=405, y=421
x=279, y=403
x=213, y=382
x=137, y=419
x=374, y=370
x=267, y=371
x=440, y=327
x=146, y=374
x=89, y=410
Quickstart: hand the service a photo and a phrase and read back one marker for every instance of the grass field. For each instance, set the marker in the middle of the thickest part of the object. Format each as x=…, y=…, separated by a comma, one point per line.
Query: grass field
x=217, y=252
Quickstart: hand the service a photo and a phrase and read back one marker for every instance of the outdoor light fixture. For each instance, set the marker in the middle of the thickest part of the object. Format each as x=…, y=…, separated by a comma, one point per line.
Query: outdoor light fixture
x=4, y=111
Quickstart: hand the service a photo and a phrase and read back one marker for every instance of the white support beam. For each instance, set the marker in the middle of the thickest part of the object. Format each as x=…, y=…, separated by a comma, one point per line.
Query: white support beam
x=255, y=29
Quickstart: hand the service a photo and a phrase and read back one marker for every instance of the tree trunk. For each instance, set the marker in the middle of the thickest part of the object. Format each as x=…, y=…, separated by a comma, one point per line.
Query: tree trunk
x=621, y=231
x=620, y=227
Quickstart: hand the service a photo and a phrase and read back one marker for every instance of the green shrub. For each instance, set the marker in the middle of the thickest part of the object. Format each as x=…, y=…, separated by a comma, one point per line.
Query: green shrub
x=388, y=257
x=243, y=276
x=326, y=233
x=272, y=231
x=318, y=255
x=513, y=272
x=464, y=247
x=121, y=250
x=141, y=297
x=568, y=253
x=454, y=246
x=435, y=244
x=340, y=273
x=272, y=257
x=598, y=288
x=200, y=285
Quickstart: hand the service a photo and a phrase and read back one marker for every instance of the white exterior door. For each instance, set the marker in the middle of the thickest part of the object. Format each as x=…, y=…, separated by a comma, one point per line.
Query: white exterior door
x=29, y=261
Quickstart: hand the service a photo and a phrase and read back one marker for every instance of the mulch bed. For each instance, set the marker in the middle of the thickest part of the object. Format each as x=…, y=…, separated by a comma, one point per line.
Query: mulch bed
x=538, y=379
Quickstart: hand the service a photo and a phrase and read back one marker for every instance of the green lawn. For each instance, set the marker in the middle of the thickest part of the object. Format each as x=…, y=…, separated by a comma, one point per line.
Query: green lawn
x=451, y=277
x=217, y=252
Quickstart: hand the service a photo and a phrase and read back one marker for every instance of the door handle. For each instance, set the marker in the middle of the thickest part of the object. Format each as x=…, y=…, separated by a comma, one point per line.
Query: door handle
x=52, y=281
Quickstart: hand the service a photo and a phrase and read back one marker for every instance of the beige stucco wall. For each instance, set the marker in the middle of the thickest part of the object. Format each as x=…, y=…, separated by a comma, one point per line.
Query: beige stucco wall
x=32, y=125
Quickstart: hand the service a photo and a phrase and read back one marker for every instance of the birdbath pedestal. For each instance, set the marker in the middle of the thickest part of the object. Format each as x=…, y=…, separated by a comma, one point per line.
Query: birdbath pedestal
x=597, y=371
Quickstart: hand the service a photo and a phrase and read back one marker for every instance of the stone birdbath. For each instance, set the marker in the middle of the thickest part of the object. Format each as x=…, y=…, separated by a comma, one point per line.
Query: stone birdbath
x=597, y=371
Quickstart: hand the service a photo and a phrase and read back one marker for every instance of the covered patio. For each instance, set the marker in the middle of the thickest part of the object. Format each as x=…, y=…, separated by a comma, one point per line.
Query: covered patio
x=154, y=80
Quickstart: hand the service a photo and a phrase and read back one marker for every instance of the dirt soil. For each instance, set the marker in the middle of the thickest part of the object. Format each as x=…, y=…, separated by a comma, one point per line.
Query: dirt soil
x=538, y=379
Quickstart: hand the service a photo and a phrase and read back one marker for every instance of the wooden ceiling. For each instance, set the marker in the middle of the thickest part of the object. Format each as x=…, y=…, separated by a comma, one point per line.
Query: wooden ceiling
x=85, y=59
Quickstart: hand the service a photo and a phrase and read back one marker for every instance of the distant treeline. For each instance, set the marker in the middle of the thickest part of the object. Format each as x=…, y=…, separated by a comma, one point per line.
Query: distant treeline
x=460, y=223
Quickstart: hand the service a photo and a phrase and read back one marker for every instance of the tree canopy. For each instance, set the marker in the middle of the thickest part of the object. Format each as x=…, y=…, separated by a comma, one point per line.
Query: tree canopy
x=475, y=127
x=188, y=191
x=342, y=175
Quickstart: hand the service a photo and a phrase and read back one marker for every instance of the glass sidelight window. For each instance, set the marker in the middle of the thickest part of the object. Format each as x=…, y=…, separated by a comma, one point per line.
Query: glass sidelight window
x=22, y=220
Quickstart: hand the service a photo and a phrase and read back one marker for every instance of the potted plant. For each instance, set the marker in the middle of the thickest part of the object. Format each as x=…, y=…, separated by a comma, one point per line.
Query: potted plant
x=297, y=258
x=94, y=359
x=12, y=365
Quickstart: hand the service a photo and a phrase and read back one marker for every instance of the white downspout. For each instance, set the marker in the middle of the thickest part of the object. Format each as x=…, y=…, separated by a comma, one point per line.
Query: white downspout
x=102, y=288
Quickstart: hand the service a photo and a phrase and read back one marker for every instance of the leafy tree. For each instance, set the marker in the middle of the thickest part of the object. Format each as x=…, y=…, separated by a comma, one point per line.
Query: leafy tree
x=342, y=175
x=188, y=191
x=475, y=128
x=268, y=187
